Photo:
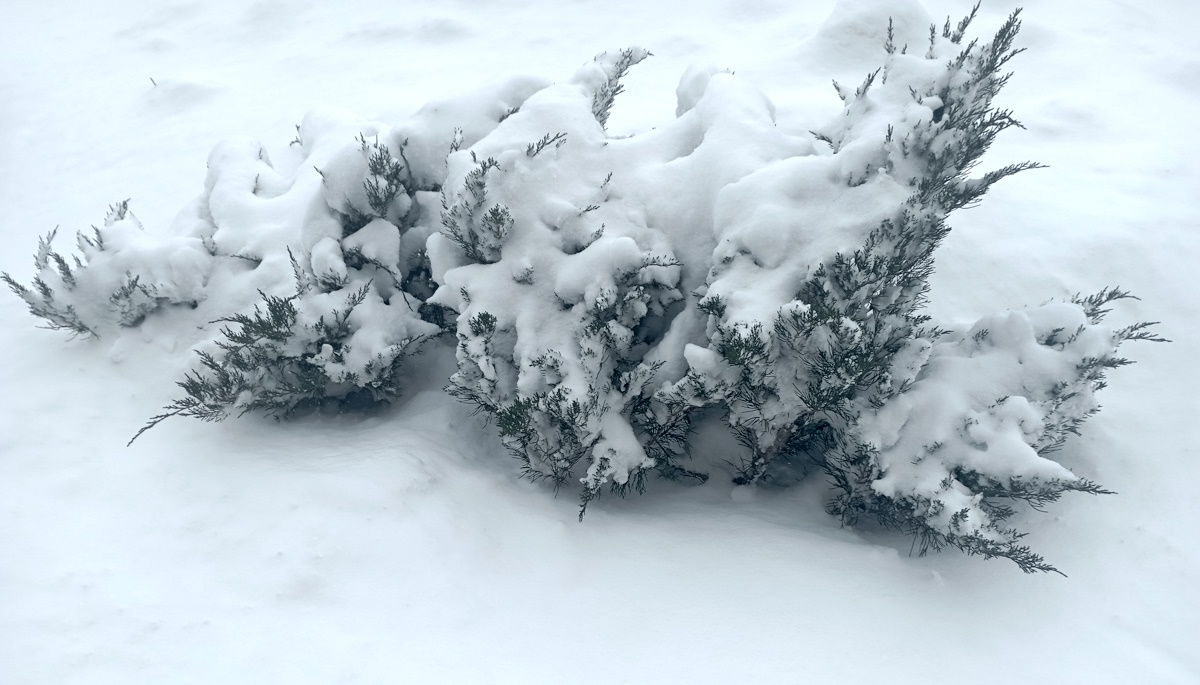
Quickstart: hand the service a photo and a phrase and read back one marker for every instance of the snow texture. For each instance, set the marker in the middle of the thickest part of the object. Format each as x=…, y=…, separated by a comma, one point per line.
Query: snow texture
x=397, y=545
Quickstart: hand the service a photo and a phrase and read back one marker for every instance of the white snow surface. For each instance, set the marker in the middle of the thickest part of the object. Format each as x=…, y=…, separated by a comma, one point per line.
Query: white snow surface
x=399, y=546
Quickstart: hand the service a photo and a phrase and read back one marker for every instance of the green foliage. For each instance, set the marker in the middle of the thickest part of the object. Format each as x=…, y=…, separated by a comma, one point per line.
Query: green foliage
x=557, y=140
x=386, y=177
x=41, y=300
x=268, y=361
x=478, y=231
x=617, y=67
x=56, y=289
x=854, y=466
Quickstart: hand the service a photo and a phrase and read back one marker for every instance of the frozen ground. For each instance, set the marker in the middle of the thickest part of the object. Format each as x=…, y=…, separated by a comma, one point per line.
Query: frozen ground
x=400, y=547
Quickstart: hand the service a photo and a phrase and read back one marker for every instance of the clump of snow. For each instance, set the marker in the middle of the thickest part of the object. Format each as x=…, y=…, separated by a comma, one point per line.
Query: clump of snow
x=850, y=41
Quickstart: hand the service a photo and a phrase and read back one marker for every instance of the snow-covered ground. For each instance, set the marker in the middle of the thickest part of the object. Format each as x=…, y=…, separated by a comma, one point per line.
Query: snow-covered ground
x=400, y=546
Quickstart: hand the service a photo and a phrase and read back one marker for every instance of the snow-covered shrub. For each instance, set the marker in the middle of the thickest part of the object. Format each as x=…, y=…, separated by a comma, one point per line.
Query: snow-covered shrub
x=560, y=286
x=569, y=254
x=123, y=276
x=812, y=300
x=350, y=320
x=314, y=273
x=973, y=432
x=604, y=289
x=815, y=334
x=356, y=307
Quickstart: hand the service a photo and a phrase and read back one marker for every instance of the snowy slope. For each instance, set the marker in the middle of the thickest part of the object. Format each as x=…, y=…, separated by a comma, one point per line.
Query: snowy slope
x=400, y=547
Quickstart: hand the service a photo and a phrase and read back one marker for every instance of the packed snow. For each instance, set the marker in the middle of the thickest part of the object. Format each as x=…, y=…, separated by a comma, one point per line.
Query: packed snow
x=400, y=543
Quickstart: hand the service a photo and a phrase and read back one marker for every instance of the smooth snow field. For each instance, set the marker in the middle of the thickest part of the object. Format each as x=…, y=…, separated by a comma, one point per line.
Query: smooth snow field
x=401, y=546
